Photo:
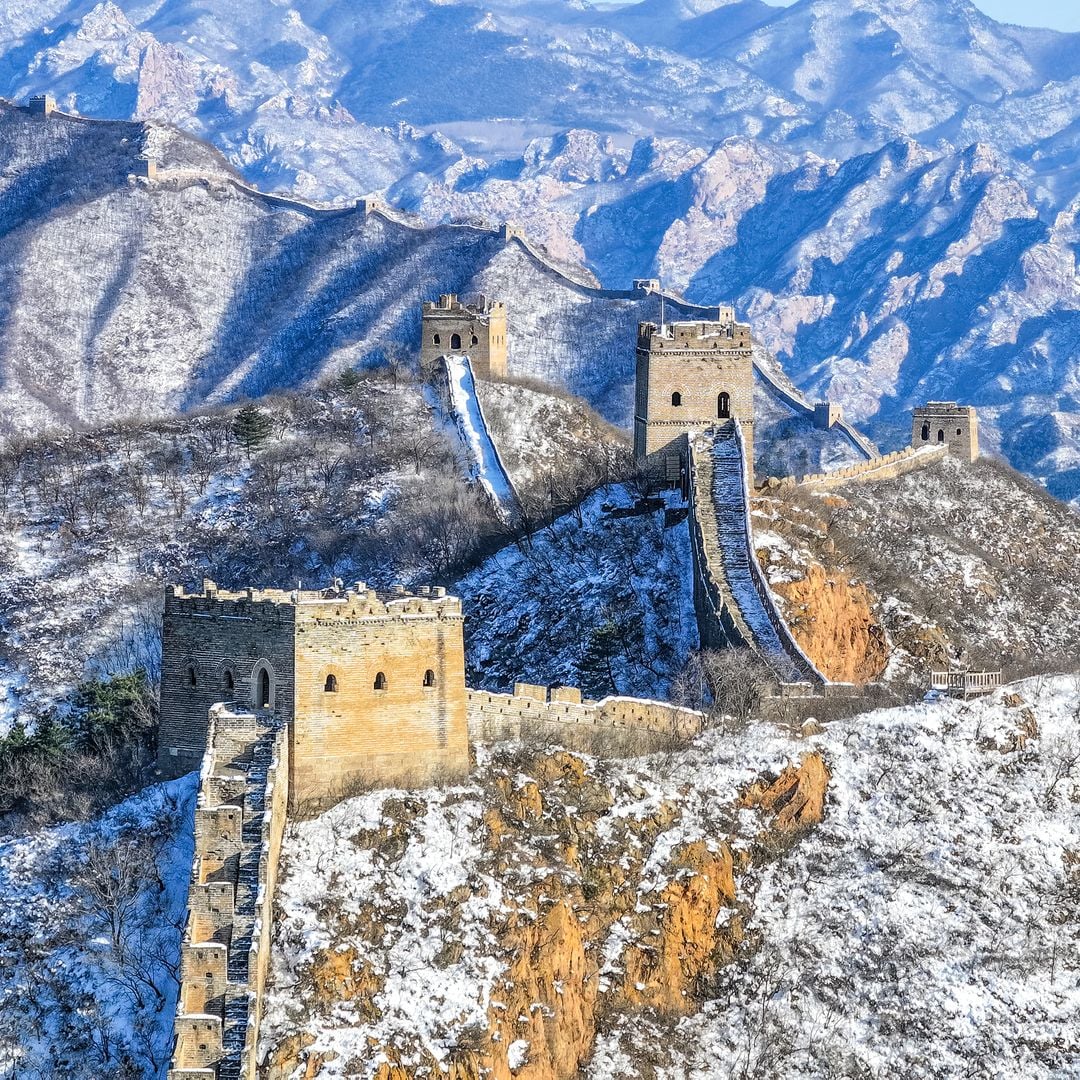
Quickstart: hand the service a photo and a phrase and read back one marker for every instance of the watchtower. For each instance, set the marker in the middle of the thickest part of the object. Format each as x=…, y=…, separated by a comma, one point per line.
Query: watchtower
x=370, y=686
x=477, y=330
x=690, y=376
x=43, y=104
x=957, y=426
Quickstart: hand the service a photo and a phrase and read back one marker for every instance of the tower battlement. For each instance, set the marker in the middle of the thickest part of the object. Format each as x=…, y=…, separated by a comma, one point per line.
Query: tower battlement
x=949, y=424
x=691, y=375
x=450, y=326
x=370, y=684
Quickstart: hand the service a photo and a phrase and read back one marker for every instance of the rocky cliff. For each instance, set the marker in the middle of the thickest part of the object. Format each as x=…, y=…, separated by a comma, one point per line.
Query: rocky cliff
x=578, y=892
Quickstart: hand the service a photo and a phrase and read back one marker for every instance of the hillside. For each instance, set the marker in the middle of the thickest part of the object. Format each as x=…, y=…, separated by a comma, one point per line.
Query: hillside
x=653, y=918
x=215, y=291
x=963, y=564
x=888, y=189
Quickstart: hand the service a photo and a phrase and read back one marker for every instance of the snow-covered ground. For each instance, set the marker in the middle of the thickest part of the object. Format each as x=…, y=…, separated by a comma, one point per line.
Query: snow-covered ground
x=90, y=924
x=595, y=600
x=929, y=927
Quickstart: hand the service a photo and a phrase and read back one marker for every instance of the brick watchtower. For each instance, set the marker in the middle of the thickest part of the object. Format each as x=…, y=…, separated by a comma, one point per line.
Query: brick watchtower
x=690, y=376
x=371, y=687
x=957, y=426
x=478, y=330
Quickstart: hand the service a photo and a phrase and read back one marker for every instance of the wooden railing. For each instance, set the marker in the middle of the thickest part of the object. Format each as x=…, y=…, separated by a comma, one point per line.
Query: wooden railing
x=967, y=683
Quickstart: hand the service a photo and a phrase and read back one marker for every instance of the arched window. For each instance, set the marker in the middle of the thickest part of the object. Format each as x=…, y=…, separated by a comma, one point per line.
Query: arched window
x=330, y=686
x=227, y=680
x=192, y=679
x=959, y=431
x=263, y=700
x=475, y=340
x=926, y=432
x=455, y=342
x=380, y=681
x=940, y=435
x=723, y=405
x=436, y=340
x=429, y=677
x=676, y=398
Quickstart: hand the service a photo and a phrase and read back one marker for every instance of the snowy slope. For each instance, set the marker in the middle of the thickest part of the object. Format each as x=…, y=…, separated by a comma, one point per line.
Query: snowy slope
x=927, y=928
x=488, y=468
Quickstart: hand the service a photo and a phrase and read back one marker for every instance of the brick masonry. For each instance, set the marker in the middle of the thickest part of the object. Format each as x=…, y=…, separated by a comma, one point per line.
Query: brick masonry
x=690, y=376
x=478, y=330
x=371, y=689
x=611, y=727
x=946, y=423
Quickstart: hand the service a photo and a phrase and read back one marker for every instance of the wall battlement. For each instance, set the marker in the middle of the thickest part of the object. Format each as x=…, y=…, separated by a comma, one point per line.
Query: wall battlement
x=239, y=823
x=887, y=467
x=611, y=726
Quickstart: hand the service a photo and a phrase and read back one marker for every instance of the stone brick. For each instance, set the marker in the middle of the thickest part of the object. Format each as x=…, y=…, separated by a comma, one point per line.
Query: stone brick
x=477, y=330
x=689, y=377
x=946, y=423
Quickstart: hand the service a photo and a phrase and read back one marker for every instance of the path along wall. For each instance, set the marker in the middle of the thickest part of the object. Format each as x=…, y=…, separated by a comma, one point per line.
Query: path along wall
x=612, y=727
x=239, y=823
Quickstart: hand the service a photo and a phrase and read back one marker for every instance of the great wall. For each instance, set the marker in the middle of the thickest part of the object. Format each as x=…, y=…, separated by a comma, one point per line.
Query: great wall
x=288, y=701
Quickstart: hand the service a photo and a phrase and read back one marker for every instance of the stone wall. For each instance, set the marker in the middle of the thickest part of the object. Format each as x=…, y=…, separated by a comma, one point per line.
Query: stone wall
x=614, y=726
x=945, y=422
x=209, y=639
x=410, y=730
x=881, y=468
x=239, y=822
x=480, y=331
x=313, y=660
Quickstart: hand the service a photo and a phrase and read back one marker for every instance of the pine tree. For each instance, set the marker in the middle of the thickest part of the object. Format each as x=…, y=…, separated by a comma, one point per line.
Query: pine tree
x=251, y=427
x=348, y=380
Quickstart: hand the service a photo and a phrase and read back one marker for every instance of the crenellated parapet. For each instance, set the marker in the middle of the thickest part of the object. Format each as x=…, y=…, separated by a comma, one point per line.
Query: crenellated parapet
x=612, y=725
x=239, y=823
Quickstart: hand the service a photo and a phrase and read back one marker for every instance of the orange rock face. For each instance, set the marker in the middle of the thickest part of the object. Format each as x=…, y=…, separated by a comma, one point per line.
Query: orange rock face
x=677, y=921
x=833, y=622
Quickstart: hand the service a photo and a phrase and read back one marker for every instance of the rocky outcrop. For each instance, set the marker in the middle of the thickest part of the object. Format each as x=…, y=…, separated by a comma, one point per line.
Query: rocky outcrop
x=621, y=913
x=832, y=619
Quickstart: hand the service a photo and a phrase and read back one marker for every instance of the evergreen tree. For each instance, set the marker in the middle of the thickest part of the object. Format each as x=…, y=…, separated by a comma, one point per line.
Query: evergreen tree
x=349, y=380
x=251, y=427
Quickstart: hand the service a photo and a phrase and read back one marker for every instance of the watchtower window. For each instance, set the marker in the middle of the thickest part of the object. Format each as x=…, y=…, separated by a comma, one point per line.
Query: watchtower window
x=436, y=339
x=227, y=680
x=429, y=677
x=723, y=405
x=676, y=398
x=192, y=679
x=959, y=431
x=264, y=689
x=940, y=435
x=330, y=686
x=926, y=432
x=455, y=342
x=380, y=681
x=475, y=340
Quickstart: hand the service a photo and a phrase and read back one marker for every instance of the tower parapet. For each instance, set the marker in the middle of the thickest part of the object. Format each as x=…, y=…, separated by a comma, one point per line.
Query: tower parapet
x=949, y=424
x=371, y=685
x=478, y=330
x=690, y=376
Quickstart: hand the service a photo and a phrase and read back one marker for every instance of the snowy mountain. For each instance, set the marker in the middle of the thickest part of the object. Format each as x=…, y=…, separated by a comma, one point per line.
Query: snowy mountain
x=888, y=189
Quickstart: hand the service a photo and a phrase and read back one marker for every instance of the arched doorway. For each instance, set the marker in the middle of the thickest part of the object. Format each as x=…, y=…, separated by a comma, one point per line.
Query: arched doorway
x=455, y=342
x=723, y=405
x=263, y=686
